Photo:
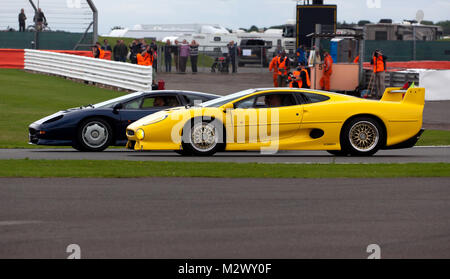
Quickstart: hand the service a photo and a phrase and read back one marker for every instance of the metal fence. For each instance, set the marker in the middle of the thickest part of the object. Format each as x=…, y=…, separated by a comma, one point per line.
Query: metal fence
x=70, y=23
x=405, y=50
x=213, y=59
x=394, y=79
x=116, y=74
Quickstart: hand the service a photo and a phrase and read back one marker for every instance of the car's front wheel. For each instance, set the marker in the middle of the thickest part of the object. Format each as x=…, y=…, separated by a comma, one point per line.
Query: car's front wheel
x=362, y=136
x=203, y=138
x=94, y=135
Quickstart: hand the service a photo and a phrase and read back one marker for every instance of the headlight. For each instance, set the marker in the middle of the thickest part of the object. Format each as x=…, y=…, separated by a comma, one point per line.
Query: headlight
x=140, y=134
x=156, y=120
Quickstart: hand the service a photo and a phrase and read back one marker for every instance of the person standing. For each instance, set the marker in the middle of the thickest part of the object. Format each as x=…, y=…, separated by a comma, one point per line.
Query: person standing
x=283, y=65
x=232, y=50
x=273, y=66
x=120, y=51
x=176, y=55
x=154, y=48
x=146, y=58
x=116, y=51
x=168, y=56
x=135, y=48
x=379, y=69
x=193, y=51
x=301, y=56
x=327, y=71
x=184, y=54
x=106, y=46
x=22, y=19
x=40, y=20
x=98, y=52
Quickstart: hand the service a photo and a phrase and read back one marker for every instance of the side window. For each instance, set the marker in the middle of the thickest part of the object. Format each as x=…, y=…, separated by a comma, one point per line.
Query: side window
x=148, y=103
x=245, y=104
x=279, y=100
x=315, y=98
x=261, y=102
x=193, y=99
x=268, y=101
x=133, y=104
x=160, y=101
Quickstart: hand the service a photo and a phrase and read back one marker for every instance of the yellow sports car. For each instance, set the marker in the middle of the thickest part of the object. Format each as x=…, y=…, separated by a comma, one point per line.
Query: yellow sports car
x=270, y=120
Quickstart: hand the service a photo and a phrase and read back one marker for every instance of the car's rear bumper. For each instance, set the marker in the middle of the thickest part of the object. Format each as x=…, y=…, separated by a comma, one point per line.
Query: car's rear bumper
x=407, y=143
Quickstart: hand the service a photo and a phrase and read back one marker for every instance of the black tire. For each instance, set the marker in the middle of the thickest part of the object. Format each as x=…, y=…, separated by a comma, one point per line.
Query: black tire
x=211, y=128
x=183, y=152
x=94, y=135
x=76, y=146
x=338, y=153
x=362, y=136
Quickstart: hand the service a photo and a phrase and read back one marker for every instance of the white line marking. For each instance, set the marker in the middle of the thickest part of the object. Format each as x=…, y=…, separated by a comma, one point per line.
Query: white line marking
x=432, y=146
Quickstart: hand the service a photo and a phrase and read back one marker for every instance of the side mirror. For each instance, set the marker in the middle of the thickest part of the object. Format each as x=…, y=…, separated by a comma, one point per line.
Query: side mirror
x=228, y=106
x=117, y=107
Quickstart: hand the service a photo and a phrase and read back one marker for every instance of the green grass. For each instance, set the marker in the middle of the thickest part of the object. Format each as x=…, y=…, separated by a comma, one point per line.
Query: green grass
x=128, y=169
x=434, y=137
x=25, y=98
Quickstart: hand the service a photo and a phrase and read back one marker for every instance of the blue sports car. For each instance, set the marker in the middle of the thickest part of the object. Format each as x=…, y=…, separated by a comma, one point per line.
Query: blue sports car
x=95, y=127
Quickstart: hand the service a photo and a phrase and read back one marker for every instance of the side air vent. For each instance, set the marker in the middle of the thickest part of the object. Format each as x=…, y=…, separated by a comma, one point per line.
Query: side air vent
x=54, y=119
x=316, y=133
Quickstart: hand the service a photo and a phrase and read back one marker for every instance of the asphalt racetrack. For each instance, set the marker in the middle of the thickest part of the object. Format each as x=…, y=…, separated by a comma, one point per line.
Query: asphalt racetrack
x=224, y=218
x=411, y=155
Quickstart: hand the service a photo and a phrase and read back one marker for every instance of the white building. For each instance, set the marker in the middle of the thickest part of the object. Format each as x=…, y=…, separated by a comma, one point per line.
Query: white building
x=161, y=31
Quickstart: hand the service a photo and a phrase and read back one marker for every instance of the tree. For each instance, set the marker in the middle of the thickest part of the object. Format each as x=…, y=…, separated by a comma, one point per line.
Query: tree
x=426, y=22
x=253, y=28
x=445, y=26
x=363, y=22
x=277, y=27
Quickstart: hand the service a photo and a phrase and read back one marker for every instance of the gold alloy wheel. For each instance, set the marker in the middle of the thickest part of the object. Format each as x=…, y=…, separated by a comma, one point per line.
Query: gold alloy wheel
x=364, y=136
x=204, y=137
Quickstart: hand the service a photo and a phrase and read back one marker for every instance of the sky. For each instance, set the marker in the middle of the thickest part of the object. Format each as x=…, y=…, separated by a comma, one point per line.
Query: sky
x=262, y=13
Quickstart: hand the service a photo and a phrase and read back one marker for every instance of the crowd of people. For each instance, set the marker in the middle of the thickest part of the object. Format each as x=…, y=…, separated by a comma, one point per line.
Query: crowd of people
x=175, y=53
x=180, y=53
x=300, y=76
x=141, y=53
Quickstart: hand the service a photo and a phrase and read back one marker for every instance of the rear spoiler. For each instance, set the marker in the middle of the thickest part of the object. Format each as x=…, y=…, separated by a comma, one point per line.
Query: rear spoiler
x=415, y=95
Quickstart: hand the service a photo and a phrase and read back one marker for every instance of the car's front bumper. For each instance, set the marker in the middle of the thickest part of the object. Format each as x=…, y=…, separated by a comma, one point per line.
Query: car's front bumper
x=39, y=135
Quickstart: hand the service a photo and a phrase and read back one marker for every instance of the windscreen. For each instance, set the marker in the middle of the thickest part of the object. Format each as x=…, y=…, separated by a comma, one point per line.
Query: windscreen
x=111, y=103
x=226, y=99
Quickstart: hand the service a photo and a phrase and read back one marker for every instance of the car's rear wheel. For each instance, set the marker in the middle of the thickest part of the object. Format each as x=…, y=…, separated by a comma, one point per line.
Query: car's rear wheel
x=202, y=138
x=362, y=136
x=94, y=135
